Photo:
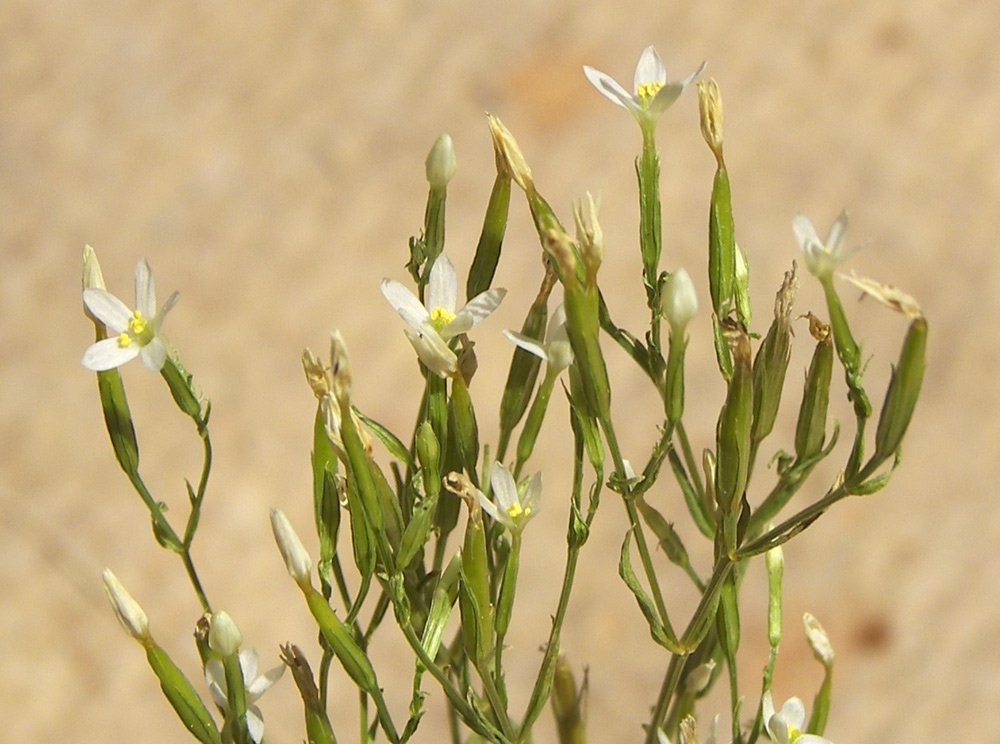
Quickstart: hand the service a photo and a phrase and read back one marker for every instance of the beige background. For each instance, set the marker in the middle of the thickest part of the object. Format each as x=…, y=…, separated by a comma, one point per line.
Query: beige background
x=267, y=159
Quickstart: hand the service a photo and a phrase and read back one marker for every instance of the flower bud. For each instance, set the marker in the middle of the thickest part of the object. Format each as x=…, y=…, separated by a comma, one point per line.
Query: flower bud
x=223, y=636
x=440, y=165
x=297, y=560
x=127, y=610
x=818, y=640
x=679, y=303
x=774, y=559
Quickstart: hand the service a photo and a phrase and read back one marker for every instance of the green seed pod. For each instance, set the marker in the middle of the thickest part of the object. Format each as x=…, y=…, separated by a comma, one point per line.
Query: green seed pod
x=182, y=696
x=904, y=389
x=847, y=347
x=771, y=362
x=318, y=728
x=484, y=264
x=721, y=244
x=810, y=431
x=442, y=603
x=524, y=365
x=474, y=595
x=733, y=430
x=568, y=704
x=464, y=426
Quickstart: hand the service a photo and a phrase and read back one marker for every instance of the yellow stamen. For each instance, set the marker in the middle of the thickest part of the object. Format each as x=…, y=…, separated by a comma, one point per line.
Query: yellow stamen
x=646, y=91
x=124, y=340
x=138, y=323
x=517, y=510
x=440, y=317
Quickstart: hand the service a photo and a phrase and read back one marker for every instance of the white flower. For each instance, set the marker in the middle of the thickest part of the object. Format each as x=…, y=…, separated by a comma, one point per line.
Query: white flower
x=136, y=331
x=255, y=685
x=823, y=258
x=556, y=350
x=436, y=324
x=508, y=508
x=785, y=726
x=653, y=92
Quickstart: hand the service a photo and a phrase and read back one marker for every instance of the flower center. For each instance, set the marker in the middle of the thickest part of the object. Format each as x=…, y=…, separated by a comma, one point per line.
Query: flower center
x=441, y=317
x=138, y=330
x=647, y=91
x=793, y=734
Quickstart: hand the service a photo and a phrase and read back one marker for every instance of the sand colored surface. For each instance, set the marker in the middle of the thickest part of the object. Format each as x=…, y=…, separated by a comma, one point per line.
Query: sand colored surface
x=268, y=160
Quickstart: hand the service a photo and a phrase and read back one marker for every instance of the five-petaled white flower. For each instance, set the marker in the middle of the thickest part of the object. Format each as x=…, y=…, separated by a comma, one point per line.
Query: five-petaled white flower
x=256, y=685
x=508, y=508
x=823, y=258
x=653, y=92
x=785, y=726
x=556, y=351
x=436, y=324
x=136, y=332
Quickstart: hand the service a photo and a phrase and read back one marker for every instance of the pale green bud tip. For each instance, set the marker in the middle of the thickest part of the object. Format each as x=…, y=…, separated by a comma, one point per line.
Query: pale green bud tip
x=297, y=560
x=710, y=108
x=127, y=610
x=440, y=165
x=818, y=640
x=92, y=276
x=699, y=677
x=509, y=155
x=223, y=636
x=679, y=301
x=340, y=367
x=775, y=560
x=317, y=375
x=589, y=235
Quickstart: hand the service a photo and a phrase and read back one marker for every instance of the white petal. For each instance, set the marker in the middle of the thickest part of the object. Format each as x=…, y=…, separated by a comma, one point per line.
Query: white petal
x=533, y=495
x=650, y=68
x=248, y=663
x=610, y=88
x=255, y=724
x=805, y=233
x=838, y=234
x=767, y=710
x=145, y=291
x=477, y=308
x=530, y=345
x=261, y=684
x=215, y=677
x=557, y=325
x=504, y=488
x=490, y=508
x=111, y=311
x=442, y=287
x=153, y=355
x=794, y=713
x=157, y=320
x=404, y=302
x=433, y=351
x=107, y=354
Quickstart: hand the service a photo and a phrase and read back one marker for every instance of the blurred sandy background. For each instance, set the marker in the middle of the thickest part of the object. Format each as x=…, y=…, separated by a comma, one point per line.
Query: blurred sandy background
x=267, y=158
